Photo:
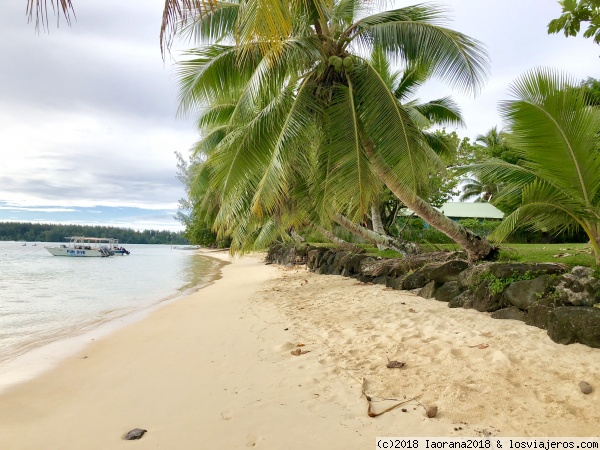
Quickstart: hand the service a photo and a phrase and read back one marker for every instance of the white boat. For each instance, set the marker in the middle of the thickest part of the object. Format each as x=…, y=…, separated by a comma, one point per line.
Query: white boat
x=80, y=246
x=118, y=250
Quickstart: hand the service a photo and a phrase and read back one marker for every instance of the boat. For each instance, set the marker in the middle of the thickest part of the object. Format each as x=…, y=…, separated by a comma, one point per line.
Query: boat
x=80, y=246
x=117, y=249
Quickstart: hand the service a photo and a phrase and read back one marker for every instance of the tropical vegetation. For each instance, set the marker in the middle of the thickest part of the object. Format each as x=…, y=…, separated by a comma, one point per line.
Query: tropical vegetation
x=574, y=12
x=312, y=129
x=46, y=232
x=555, y=186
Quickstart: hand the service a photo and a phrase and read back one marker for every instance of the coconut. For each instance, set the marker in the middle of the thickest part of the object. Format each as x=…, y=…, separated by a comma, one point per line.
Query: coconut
x=332, y=59
x=348, y=61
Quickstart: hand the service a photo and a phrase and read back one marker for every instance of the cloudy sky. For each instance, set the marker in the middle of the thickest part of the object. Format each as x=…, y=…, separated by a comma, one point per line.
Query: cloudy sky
x=88, y=125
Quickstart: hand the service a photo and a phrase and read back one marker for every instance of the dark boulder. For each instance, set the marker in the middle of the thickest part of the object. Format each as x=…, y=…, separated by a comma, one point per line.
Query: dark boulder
x=374, y=268
x=448, y=271
x=570, y=324
x=484, y=300
x=510, y=313
x=537, y=316
x=350, y=264
x=315, y=255
x=415, y=280
x=463, y=300
x=395, y=282
x=526, y=293
x=448, y=291
x=472, y=275
x=429, y=289
x=506, y=270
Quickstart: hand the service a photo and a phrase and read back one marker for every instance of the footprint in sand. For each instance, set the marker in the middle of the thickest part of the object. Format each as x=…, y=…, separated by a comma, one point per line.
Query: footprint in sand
x=227, y=414
x=252, y=440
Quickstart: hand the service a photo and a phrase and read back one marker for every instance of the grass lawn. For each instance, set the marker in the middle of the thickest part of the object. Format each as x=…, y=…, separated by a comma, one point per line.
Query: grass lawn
x=569, y=254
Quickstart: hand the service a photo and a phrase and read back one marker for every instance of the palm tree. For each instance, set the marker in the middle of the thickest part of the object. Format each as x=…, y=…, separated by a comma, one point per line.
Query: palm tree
x=557, y=181
x=319, y=96
x=480, y=191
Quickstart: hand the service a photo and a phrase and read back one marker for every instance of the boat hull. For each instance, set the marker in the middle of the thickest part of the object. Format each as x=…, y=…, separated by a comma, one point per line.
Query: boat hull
x=74, y=252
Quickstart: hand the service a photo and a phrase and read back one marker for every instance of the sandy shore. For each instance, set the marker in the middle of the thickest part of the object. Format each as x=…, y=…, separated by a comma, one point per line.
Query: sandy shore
x=215, y=370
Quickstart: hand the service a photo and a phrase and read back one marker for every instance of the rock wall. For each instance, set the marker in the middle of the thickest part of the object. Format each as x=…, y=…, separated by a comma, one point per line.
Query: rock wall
x=545, y=295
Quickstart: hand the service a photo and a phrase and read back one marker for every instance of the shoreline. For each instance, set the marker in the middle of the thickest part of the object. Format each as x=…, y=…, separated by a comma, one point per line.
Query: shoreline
x=37, y=358
x=215, y=369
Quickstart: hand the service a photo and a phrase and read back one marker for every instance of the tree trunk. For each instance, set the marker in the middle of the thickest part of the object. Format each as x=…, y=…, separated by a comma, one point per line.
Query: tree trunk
x=476, y=247
x=299, y=239
x=375, y=238
x=336, y=240
x=377, y=223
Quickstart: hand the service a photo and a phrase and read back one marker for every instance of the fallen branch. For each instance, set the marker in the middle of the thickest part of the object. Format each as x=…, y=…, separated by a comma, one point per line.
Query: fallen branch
x=370, y=401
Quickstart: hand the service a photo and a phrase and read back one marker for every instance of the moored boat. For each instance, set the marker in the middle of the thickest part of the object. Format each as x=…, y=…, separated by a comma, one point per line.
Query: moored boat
x=80, y=246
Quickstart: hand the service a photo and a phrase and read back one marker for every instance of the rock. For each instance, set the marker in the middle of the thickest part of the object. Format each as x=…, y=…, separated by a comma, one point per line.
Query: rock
x=375, y=268
x=511, y=313
x=429, y=289
x=336, y=265
x=353, y=263
x=506, y=270
x=380, y=280
x=395, y=282
x=526, y=293
x=448, y=291
x=537, y=316
x=472, y=275
x=315, y=255
x=484, y=300
x=448, y=271
x=431, y=411
x=570, y=324
x=136, y=433
x=463, y=300
x=579, y=287
x=585, y=387
x=414, y=281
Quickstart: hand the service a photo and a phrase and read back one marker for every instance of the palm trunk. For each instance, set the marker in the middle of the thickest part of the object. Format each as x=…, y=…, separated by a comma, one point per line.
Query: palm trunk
x=375, y=238
x=476, y=247
x=593, y=233
x=377, y=223
x=299, y=239
x=336, y=240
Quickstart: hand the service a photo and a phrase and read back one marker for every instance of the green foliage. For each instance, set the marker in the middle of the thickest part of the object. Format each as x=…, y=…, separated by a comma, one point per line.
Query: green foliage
x=41, y=232
x=290, y=136
x=591, y=88
x=497, y=285
x=573, y=14
x=417, y=230
x=555, y=187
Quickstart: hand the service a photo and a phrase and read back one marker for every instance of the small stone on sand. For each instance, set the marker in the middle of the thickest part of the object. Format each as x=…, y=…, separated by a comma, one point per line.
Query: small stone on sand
x=136, y=433
x=431, y=411
x=585, y=387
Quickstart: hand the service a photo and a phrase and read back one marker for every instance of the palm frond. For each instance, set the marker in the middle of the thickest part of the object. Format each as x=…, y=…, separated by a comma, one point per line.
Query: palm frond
x=37, y=10
x=414, y=33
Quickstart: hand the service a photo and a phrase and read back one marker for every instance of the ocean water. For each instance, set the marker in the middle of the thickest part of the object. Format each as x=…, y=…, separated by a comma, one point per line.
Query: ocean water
x=45, y=298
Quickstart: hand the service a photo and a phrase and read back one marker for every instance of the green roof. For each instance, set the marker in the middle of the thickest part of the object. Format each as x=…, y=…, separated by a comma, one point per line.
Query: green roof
x=463, y=210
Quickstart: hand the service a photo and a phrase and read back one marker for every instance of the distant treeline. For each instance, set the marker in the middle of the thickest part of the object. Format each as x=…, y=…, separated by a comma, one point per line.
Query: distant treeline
x=20, y=231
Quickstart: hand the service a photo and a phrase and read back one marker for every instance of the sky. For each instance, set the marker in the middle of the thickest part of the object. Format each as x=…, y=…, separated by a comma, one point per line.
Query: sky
x=88, y=113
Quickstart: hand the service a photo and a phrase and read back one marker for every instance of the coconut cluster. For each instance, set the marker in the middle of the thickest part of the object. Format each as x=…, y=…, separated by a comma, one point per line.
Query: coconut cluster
x=338, y=63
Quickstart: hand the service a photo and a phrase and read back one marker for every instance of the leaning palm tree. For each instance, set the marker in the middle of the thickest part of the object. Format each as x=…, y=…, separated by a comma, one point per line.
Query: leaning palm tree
x=319, y=92
x=557, y=181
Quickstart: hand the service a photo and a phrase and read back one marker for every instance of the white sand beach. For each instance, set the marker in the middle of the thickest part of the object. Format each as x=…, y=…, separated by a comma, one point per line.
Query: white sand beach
x=216, y=370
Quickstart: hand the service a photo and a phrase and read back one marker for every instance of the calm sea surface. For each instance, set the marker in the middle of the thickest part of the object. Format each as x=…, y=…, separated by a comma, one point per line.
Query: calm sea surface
x=44, y=298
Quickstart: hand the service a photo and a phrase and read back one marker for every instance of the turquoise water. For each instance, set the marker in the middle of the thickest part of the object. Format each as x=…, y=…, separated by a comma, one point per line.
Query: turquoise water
x=44, y=298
